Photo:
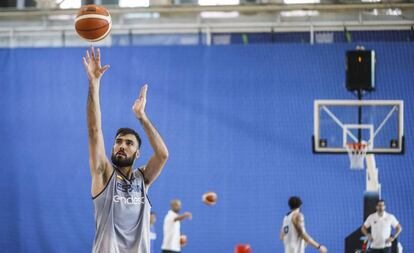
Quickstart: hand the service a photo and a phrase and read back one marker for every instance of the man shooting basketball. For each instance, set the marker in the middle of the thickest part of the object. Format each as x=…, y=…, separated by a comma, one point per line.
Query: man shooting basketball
x=293, y=233
x=122, y=209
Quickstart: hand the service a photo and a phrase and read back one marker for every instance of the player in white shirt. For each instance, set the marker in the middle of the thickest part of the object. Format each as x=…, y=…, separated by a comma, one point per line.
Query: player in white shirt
x=172, y=228
x=293, y=233
x=380, y=223
x=153, y=233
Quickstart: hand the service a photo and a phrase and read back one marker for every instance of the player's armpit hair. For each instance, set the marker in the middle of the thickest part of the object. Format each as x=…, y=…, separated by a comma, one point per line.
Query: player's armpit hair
x=101, y=168
x=141, y=169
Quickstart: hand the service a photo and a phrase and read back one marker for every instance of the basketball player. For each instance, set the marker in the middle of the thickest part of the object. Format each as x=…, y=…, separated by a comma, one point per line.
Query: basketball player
x=122, y=208
x=153, y=233
x=293, y=233
x=172, y=228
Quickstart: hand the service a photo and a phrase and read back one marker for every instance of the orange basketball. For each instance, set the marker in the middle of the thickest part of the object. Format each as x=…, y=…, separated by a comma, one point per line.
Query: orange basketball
x=183, y=240
x=210, y=198
x=93, y=23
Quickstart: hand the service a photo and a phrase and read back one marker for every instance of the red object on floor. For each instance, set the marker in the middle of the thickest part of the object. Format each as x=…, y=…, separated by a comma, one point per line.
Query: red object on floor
x=242, y=248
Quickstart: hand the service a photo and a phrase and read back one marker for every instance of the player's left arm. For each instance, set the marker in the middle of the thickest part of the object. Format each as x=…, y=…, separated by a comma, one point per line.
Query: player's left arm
x=155, y=164
x=398, y=229
x=299, y=223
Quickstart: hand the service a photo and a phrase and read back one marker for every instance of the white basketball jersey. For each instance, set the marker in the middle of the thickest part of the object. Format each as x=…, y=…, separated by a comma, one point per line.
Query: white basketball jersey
x=293, y=243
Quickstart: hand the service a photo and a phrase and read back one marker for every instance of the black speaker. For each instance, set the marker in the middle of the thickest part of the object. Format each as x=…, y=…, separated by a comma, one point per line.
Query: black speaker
x=360, y=70
x=8, y=3
x=108, y=2
x=86, y=2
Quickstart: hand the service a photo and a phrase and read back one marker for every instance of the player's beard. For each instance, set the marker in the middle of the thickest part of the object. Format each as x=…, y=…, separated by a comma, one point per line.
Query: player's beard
x=123, y=162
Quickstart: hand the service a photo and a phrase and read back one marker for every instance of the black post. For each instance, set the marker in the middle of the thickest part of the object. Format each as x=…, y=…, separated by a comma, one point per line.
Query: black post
x=359, y=116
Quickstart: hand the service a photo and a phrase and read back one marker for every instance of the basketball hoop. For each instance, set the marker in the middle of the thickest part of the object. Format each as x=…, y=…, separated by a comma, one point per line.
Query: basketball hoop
x=357, y=152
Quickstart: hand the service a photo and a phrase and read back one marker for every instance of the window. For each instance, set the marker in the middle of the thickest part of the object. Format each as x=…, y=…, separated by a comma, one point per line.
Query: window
x=218, y=2
x=69, y=4
x=133, y=3
x=301, y=1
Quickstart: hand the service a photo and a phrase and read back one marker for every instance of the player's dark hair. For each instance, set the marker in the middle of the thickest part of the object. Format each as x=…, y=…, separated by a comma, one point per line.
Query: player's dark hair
x=294, y=202
x=380, y=200
x=125, y=130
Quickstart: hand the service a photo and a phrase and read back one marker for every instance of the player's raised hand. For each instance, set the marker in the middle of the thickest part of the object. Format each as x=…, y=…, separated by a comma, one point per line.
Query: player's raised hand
x=92, y=64
x=140, y=102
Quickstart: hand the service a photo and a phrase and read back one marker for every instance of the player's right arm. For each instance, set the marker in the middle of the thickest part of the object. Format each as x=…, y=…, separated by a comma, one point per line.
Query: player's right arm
x=186, y=215
x=364, y=229
x=99, y=165
x=299, y=223
x=282, y=234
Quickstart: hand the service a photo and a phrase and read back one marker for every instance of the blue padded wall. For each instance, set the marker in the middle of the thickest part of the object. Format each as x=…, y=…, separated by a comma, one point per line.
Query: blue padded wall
x=237, y=120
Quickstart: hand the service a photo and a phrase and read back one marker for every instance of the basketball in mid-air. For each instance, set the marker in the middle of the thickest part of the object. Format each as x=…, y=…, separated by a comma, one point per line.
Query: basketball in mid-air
x=209, y=198
x=93, y=23
x=183, y=240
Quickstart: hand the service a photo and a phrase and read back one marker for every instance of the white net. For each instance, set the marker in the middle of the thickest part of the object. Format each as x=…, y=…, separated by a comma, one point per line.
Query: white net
x=357, y=153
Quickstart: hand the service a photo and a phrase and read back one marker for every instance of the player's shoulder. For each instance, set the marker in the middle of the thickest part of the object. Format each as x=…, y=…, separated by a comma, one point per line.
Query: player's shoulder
x=298, y=216
x=372, y=216
x=171, y=215
x=392, y=216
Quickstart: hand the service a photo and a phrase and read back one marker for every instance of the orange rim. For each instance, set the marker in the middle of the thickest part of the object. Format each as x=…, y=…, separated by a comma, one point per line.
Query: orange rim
x=356, y=146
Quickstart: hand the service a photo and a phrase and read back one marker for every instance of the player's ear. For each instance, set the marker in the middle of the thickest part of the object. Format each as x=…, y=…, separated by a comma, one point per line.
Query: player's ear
x=137, y=154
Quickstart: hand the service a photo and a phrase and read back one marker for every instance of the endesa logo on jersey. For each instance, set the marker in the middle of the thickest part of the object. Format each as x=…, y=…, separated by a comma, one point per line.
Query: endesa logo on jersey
x=131, y=200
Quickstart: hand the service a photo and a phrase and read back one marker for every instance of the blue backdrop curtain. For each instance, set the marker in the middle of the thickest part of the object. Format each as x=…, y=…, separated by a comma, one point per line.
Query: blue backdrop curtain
x=237, y=120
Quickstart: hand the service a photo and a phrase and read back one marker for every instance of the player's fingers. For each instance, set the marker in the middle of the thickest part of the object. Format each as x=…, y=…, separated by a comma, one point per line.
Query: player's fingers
x=92, y=53
x=143, y=93
x=85, y=63
x=98, y=54
x=88, y=57
x=104, y=68
x=140, y=92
